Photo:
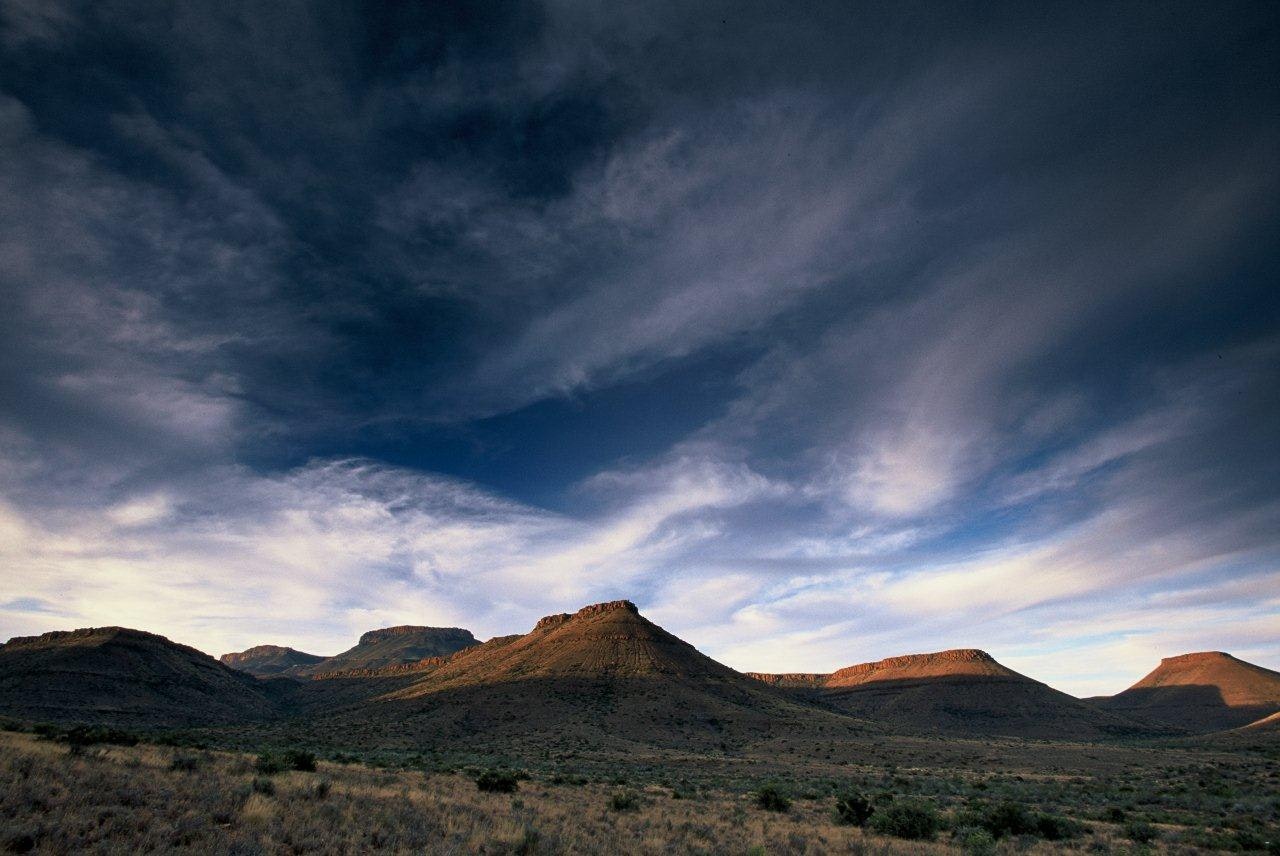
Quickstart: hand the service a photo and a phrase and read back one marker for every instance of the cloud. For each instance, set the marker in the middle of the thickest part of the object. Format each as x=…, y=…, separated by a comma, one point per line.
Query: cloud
x=317, y=553
x=825, y=338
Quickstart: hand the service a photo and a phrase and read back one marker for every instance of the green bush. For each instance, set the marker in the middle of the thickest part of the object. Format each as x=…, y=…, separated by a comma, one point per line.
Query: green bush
x=624, y=801
x=1010, y=819
x=1052, y=827
x=1140, y=831
x=1004, y=819
x=497, y=781
x=270, y=763
x=854, y=809
x=911, y=820
x=974, y=841
x=263, y=785
x=770, y=798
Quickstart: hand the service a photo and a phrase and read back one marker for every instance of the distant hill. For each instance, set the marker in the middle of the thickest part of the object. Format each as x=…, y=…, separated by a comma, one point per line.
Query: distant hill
x=393, y=646
x=963, y=691
x=269, y=661
x=1202, y=692
x=123, y=677
x=390, y=648
x=603, y=676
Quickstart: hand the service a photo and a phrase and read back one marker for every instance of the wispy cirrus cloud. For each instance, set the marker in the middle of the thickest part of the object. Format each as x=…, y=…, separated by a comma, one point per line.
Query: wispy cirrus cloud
x=825, y=337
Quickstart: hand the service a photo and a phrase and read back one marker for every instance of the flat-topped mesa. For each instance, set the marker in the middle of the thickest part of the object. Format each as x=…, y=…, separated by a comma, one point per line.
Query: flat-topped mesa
x=955, y=662
x=256, y=650
x=1198, y=658
x=83, y=634
x=1202, y=691
x=386, y=633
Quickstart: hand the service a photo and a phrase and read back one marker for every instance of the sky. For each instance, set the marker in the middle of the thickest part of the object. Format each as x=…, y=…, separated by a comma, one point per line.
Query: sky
x=824, y=332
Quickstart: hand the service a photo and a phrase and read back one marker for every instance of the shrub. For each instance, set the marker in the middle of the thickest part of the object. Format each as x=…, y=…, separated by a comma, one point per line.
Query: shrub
x=911, y=820
x=184, y=763
x=1140, y=831
x=270, y=763
x=1114, y=814
x=1052, y=827
x=624, y=801
x=1006, y=819
x=263, y=785
x=322, y=789
x=853, y=809
x=770, y=798
x=296, y=759
x=975, y=841
x=497, y=781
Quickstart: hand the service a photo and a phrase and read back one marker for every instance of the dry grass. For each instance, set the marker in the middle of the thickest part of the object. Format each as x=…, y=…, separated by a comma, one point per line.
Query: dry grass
x=132, y=799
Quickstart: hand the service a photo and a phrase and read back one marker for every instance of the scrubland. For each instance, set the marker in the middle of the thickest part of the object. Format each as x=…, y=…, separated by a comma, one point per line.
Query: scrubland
x=60, y=798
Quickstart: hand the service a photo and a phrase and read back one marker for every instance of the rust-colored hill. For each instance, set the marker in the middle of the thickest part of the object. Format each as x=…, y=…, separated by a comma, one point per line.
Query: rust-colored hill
x=123, y=677
x=270, y=661
x=963, y=691
x=602, y=677
x=1202, y=692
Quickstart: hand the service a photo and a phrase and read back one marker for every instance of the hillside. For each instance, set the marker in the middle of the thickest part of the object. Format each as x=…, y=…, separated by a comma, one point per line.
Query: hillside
x=393, y=646
x=1202, y=692
x=269, y=661
x=963, y=691
x=602, y=677
x=123, y=677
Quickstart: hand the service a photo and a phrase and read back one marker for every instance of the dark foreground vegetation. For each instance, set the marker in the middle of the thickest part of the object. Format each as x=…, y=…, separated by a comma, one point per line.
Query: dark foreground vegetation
x=73, y=790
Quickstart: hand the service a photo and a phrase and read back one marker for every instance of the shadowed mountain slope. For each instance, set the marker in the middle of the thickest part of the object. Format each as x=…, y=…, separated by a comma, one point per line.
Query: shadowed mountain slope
x=123, y=677
x=1202, y=692
x=393, y=646
x=602, y=677
x=962, y=691
x=270, y=661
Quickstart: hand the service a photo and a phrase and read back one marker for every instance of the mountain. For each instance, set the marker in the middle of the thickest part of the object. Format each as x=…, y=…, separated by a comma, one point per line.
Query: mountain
x=122, y=677
x=1202, y=692
x=963, y=691
x=270, y=661
x=604, y=676
x=393, y=646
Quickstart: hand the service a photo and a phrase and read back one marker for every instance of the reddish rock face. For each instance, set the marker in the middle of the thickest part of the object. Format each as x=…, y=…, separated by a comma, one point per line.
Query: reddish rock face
x=552, y=620
x=1203, y=691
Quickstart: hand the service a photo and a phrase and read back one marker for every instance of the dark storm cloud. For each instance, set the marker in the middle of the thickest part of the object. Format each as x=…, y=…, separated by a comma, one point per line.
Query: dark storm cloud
x=754, y=312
